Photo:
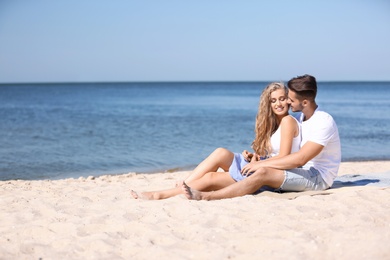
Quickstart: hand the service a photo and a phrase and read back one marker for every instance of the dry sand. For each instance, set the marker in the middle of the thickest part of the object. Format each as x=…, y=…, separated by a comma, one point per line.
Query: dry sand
x=96, y=218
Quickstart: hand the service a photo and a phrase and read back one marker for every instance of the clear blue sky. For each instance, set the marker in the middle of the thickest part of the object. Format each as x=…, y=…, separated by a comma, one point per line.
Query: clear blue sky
x=198, y=40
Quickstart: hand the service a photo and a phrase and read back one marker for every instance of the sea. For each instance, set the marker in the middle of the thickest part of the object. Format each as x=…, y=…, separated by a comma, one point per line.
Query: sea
x=72, y=130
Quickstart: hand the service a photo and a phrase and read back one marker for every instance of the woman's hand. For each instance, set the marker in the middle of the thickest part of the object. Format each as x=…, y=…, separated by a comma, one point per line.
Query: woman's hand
x=247, y=155
x=255, y=158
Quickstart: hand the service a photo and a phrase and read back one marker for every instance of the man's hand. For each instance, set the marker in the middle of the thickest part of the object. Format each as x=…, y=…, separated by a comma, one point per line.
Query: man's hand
x=250, y=168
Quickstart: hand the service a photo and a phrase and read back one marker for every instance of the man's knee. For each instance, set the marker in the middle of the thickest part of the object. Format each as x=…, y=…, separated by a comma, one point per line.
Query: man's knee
x=269, y=176
x=261, y=173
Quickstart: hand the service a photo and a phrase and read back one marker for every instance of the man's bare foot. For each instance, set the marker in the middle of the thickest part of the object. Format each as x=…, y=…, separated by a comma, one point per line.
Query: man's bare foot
x=191, y=194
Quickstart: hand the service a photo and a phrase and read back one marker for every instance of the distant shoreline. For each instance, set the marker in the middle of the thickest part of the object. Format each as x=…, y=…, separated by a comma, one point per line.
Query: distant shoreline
x=182, y=82
x=359, y=163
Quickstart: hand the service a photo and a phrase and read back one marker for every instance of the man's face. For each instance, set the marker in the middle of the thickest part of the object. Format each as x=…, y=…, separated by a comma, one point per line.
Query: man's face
x=295, y=104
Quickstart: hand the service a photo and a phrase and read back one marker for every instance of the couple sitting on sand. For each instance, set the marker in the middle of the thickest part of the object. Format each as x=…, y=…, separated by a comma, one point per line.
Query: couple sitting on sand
x=288, y=155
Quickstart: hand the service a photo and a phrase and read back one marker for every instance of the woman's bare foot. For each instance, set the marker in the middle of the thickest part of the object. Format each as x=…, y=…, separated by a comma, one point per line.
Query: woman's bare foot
x=179, y=184
x=142, y=195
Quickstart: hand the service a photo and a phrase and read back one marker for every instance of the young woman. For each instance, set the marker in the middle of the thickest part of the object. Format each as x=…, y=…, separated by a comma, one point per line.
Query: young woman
x=277, y=135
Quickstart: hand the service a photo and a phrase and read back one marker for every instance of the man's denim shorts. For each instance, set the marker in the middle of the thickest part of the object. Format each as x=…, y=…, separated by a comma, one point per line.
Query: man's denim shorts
x=302, y=180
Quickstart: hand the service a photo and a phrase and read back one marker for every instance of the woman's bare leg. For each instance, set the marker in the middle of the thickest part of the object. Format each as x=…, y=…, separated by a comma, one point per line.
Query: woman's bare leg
x=210, y=181
x=157, y=195
x=220, y=158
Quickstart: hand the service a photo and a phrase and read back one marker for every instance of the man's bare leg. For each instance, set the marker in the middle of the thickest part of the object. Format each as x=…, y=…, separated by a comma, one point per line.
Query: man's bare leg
x=264, y=176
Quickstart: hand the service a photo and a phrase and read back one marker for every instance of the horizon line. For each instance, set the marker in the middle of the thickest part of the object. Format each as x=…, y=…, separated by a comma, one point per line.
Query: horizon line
x=181, y=81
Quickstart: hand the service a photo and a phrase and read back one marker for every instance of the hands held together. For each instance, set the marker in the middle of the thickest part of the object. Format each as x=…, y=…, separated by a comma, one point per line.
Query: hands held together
x=253, y=165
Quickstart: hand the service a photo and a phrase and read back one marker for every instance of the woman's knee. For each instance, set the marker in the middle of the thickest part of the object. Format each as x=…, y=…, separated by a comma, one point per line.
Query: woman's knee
x=208, y=177
x=223, y=152
x=224, y=157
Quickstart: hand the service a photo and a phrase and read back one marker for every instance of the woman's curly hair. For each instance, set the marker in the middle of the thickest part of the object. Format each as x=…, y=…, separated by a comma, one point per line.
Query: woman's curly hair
x=266, y=121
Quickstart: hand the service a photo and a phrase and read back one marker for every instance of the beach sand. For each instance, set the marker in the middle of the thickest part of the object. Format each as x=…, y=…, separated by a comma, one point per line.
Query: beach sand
x=96, y=218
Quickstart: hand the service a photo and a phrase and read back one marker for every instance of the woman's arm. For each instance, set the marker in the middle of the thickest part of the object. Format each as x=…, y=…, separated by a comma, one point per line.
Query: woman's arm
x=288, y=130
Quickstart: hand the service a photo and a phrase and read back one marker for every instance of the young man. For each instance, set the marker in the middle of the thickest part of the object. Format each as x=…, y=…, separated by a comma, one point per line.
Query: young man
x=313, y=167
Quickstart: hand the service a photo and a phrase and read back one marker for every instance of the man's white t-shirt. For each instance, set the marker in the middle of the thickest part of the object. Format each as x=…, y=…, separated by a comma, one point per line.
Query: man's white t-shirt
x=322, y=129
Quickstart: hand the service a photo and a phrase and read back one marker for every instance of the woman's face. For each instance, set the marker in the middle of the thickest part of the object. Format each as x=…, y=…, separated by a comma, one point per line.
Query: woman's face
x=279, y=103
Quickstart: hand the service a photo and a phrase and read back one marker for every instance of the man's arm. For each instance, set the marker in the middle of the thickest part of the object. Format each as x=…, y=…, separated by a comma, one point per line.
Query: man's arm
x=291, y=161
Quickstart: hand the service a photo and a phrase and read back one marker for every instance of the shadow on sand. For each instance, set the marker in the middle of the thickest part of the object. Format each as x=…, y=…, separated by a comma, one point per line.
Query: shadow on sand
x=355, y=180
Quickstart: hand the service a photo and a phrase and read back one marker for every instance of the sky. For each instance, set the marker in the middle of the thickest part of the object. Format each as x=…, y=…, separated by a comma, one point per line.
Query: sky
x=195, y=40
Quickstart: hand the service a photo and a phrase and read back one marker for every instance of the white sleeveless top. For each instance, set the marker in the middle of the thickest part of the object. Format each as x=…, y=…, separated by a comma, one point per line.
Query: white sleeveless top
x=276, y=138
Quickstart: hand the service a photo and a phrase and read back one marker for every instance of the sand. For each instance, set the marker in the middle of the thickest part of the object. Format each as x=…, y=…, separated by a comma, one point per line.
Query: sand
x=96, y=218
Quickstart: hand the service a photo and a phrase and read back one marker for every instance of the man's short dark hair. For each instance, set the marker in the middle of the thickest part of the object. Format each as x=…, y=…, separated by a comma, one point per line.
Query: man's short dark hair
x=304, y=86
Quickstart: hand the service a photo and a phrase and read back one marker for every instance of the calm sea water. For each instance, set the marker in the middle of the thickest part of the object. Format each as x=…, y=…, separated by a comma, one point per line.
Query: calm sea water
x=51, y=131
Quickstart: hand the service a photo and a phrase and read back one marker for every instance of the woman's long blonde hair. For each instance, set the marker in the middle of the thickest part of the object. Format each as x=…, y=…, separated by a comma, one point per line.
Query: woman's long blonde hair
x=266, y=121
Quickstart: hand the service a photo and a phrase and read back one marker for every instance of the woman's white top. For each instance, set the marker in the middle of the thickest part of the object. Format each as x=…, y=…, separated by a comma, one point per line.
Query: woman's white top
x=276, y=139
